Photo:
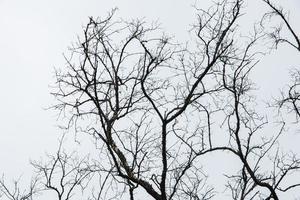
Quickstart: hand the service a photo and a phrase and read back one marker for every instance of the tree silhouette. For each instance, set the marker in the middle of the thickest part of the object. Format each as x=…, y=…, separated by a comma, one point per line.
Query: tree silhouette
x=157, y=108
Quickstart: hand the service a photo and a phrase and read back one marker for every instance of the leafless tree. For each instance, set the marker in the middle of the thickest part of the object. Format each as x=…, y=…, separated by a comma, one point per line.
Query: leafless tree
x=64, y=173
x=278, y=11
x=140, y=91
x=245, y=124
x=14, y=192
x=290, y=97
x=156, y=109
x=153, y=106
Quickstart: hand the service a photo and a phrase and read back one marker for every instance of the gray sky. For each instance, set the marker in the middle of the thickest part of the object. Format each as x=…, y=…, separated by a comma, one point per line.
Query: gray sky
x=35, y=33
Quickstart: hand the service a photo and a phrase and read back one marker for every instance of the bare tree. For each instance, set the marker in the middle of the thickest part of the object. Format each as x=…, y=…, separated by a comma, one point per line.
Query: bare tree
x=64, y=173
x=156, y=109
x=140, y=91
x=276, y=35
x=289, y=97
x=14, y=192
x=154, y=104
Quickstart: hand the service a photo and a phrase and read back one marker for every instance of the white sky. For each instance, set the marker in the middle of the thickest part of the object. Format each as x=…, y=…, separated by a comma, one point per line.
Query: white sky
x=35, y=33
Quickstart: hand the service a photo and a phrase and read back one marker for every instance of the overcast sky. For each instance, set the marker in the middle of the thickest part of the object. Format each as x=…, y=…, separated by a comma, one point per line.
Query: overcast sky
x=35, y=33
